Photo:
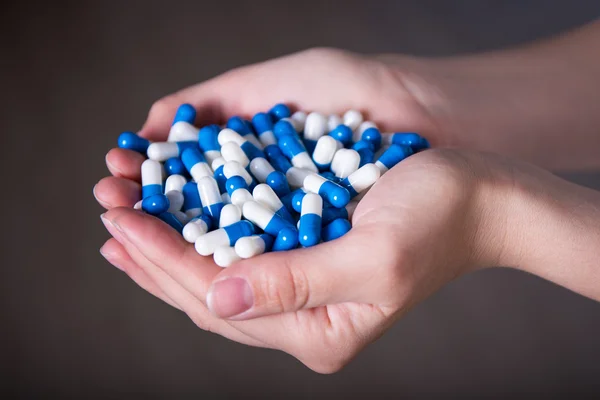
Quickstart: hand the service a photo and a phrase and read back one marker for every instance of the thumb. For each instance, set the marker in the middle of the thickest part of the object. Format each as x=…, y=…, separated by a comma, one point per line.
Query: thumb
x=329, y=273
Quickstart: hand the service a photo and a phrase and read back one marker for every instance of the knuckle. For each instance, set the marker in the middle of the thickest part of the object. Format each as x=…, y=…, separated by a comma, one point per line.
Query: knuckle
x=163, y=106
x=284, y=289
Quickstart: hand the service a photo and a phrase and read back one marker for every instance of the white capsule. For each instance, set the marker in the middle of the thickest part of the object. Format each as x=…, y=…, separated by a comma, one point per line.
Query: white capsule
x=193, y=213
x=234, y=168
x=345, y=162
x=298, y=120
x=183, y=131
x=211, y=156
x=175, y=182
x=325, y=149
x=261, y=168
x=231, y=151
x=209, y=191
x=312, y=203
x=181, y=217
x=151, y=173
x=229, y=135
x=240, y=196
x=295, y=176
x=175, y=201
x=315, y=126
x=364, y=177
x=357, y=135
x=194, y=229
x=352, y=119
x=224, y=256
x=250, y=246
x=229, y=214
x=303, y=160
x=162, y=151
x=267, y=138
x=258, y=214
x=207, y=244
x=312, y=183
x=266, y=196
x=138, y=205
x=333, y=122
x=217, y=162
x=226, y=198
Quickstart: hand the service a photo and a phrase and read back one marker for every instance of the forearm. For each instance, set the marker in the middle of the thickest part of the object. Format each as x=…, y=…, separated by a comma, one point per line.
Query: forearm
x=548, y=227
x=539, y=102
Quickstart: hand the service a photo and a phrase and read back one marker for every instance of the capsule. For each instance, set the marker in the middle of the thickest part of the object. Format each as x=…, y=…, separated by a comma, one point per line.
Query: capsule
x=336, y=229
x=263, y=125
x=217, y=166
x=415, y=141
x=192, y=206
x=288, y=199
x=210, y=197
x=333, y=121
x=171, y=220
x=173, y=191
x=174, y=166
x=367, y=156
x=372, y=135
x=342, y=133
x=297, y=200
x=227, y=236
x=196, y=164
x=345, y=162
x=293, y=149
x=352, y=119
x=153, y=200
x=263, y=194
x=392, y=156
x=181, y=217
x=265, y=218
x=335, y=194
x=185, y=112
x=226, y=199
x=279, y=111
x=361, y=128
x=224, y=256
x=295, y=176
x=324, y=152
x=156, y=204
x=232, y=152
x=197, y=227
x=162, y=151
x=315, y=126
x=283, y=128
x=359, y=181
x=286, y=239
x=238, y=190
x=310, y=220
x=182, y=131
x=131, y=141
x=228, y=135
x=277, y=159
x=209, y=143
x=244, y=128
x=331, y=213
x=251, y=246
x=298, y=119
x=230, y=214
x=264, y=172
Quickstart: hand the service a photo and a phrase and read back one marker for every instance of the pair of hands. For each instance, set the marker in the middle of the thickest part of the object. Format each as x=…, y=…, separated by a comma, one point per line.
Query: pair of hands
x=427, y=221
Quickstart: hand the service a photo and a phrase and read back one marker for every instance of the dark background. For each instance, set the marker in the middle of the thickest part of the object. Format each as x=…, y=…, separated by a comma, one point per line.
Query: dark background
x=74, y=75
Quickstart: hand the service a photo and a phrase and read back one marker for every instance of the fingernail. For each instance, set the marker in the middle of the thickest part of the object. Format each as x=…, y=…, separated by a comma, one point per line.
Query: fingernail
x=102, y=202
x=109, y=257
x=113, y=228
x=230, y=297
x=111, y=166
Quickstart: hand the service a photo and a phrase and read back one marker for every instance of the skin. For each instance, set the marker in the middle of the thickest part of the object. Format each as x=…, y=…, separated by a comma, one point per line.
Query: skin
x=436, y=216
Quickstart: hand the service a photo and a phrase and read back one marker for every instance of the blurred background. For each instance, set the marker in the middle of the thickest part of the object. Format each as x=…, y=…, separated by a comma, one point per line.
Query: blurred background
x=75, y=74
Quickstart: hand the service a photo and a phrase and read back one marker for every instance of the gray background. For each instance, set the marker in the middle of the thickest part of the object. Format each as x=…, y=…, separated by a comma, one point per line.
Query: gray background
x=74, y=75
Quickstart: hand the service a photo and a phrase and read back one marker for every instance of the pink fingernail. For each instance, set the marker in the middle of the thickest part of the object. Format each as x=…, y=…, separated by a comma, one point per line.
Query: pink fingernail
x=109, y=257
x=102, y=202
x=230, y=297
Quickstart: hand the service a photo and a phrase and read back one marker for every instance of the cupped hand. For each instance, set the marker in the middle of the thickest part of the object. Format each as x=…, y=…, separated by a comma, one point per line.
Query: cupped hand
x=419, y=227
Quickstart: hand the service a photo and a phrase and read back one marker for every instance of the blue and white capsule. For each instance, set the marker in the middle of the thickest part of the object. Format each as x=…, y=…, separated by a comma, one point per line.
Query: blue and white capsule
x=333, y=121
x=345, y=162
x=298, y=120
x=171, y=220
x=286, y=235
x=192, y=205
x=310, y=220
x=331, y=213
x=372, y=135
x=361, y=128
x=335, y=194
x=324, y=152
x=183, y=131
x=217, y=166
x=293, y=149
x=162, y=151
x=251, y=246
x=362, y=179
x=131, y=141
x=342, y=133
x=186, y=113
x=174, y=192
x=392, y=156
x=196, y=164
x=237, y=188
x=152, y=174
x=277, y=159
x=266, y=196
x=264, y=172
x=210, y=197
x=284, y=127
x=174, y=166
x=279, y=111
x=352, y=119
x=411, y=139
x=228, y=135
x=263, y=125
x=230, y=214
x=197, y=227
x=295, y=176
x=233, y=168
x=227, y=236
x=336, y=229
x=245, y=129
x=209, y=142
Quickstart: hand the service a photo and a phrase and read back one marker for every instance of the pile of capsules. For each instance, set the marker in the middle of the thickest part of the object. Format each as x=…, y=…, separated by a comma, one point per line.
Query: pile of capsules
x=274, y=183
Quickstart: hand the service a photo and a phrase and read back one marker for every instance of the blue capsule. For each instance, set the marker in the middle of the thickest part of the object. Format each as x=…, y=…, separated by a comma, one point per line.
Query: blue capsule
x=191, y=199
x=277, y=159
x=284, y=128
x=367, y=156
x=297, y=200
x=310, y=220
x=332, y=213
x=286, y=239
x=336, y=229
x=342, y=133
x=363, y=144
x=221, y=179
x=238, y=230
x=155, y=204
x=131, y=141
x=185, y=112
x=372, y=135
x=411, y=139
x=234, y=183
x=207, y=138
x=392, y=156
x=174, y=166
x=279, y=111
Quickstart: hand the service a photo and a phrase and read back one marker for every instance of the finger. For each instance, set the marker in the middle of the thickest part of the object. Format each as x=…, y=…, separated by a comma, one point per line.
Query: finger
x=193, y=307
x=124, y=163
x=167, y=249
x=116, y=254
x=113, y=192
x=329, y=273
